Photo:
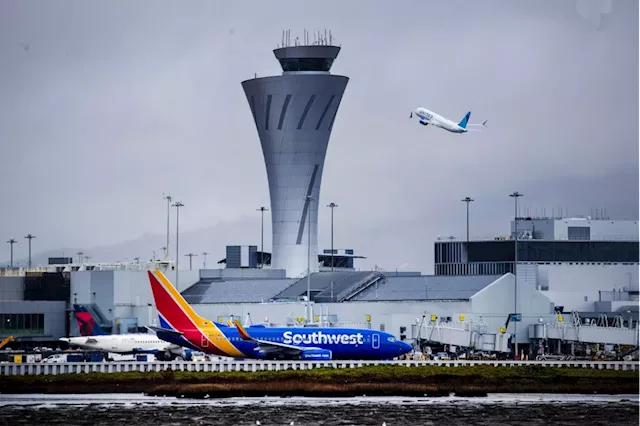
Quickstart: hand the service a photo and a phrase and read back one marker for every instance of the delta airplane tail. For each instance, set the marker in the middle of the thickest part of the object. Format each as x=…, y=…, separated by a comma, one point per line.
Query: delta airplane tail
x=86, y=323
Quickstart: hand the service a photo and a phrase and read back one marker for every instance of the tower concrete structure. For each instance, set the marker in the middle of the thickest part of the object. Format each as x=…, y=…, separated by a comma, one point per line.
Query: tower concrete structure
x=294, y=114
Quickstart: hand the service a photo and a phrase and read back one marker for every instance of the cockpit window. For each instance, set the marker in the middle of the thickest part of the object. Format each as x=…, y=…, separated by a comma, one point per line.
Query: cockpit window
x=391, y=339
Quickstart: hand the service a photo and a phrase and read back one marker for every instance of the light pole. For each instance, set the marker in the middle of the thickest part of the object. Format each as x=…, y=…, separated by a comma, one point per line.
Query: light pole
x=11, y=243
x=80, y=256
x=262, y=209
x=190, y=256
x=467, y=200
x=168, y=198
x=30, y=237
x=204, y=264
x=177, y=205
x=515, y=196
x=332, y=206
x=310, y=199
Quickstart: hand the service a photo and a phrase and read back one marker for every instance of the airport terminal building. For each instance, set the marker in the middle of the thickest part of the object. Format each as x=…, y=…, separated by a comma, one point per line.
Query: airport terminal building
x=446, y=308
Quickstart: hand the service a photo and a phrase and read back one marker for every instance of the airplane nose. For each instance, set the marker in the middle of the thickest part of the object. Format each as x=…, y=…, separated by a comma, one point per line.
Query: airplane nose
x=405, y=347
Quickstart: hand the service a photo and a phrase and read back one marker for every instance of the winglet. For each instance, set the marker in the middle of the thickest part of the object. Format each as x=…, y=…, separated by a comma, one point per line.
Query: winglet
x=229, y=323
x=243, y=333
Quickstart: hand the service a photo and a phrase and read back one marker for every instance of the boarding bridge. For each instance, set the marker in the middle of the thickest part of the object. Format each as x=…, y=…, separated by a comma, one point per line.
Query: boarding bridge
x=471, y=335
x=587, y=331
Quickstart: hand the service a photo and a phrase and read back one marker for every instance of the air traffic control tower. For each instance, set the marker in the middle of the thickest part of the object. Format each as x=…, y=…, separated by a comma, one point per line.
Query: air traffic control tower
x=294, y=114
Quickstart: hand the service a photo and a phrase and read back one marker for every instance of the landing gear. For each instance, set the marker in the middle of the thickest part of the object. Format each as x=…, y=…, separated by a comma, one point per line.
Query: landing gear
x=164, y=356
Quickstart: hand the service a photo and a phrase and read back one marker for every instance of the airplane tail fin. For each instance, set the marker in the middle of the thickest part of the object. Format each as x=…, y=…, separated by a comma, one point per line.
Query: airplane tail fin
x=86, y=323
x=465, y=120
x=173, y=311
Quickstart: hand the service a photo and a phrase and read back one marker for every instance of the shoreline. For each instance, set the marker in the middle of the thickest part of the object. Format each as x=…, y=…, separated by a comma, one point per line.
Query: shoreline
x=429, y=381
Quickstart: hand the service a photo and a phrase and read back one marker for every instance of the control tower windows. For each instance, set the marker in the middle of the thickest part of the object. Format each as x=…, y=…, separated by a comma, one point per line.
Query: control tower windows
x=306, y=64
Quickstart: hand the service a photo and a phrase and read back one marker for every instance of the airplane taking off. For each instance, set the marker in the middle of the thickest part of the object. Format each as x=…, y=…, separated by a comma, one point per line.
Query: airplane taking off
x=182, y=326
x=429, y=117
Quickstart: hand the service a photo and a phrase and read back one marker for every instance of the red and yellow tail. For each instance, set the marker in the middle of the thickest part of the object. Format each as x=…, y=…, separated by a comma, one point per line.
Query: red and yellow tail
x=177, y=315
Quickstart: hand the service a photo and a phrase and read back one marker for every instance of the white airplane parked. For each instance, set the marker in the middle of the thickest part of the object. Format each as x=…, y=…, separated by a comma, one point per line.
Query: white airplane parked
x=429, y=117
x=132, y=343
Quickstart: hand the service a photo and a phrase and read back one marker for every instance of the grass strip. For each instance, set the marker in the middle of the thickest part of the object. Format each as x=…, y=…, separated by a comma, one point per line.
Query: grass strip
x=380, y=380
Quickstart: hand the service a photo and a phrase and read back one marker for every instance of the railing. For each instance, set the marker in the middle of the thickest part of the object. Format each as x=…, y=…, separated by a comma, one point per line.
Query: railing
x=72, y=267
x=463, y=239
x=255, y=365
x=360, y=286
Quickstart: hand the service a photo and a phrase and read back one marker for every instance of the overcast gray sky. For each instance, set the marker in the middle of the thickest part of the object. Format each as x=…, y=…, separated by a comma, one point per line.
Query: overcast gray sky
x=106, y=105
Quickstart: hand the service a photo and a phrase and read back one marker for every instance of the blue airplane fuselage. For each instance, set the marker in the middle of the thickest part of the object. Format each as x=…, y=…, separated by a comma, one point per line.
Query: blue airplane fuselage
x=333, y=343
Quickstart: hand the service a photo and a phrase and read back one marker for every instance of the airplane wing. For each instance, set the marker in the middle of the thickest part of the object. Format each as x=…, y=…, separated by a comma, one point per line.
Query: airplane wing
x=271, y=347
x=164, y=330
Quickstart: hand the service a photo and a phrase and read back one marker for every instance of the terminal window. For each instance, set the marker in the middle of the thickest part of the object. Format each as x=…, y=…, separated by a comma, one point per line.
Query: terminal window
x=306, y=64
x=21, y=324
x=579, y=233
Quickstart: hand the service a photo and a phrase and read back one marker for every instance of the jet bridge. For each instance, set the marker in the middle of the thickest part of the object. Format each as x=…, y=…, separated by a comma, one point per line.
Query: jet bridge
x=472, y=335
x=585, y=330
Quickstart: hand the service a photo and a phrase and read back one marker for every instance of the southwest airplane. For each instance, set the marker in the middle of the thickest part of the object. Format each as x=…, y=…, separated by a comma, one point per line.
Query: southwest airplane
x=96, y=339
x=429, y=117
x=182, y=326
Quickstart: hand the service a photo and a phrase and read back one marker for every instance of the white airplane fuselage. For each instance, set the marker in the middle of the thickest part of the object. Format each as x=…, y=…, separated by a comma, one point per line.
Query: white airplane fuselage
x=125, y=343
x=428, y=117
